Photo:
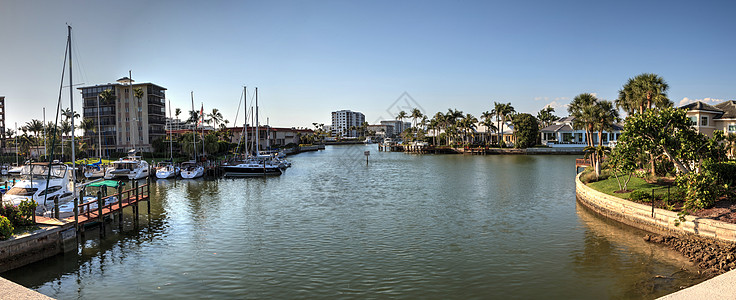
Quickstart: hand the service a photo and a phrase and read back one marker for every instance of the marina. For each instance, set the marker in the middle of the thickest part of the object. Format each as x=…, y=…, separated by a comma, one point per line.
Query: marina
x=367, y=231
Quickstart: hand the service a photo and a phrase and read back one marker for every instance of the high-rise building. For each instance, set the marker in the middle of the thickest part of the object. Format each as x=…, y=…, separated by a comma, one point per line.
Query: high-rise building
x=126, y=121
x=3, y=134
x=345, y=123
x=398, y=126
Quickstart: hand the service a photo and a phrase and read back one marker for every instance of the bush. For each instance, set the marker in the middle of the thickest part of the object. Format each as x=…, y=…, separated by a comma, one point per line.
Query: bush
x=12, y=213
x=701, y=190
x=725, y=172
x=641, y=196
x=6, y=228
x=664, y=166
x=26, y=210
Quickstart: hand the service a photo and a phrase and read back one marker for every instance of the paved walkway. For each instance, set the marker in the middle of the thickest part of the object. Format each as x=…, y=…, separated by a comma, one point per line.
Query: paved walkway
x=12, y=290
x=719, y=287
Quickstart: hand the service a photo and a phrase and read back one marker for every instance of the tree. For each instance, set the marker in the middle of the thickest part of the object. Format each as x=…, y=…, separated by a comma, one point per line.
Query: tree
x=668, y=131
x=503, y=113
x=467, y=124
x=216, y=116
x=594, y=152
x=731, y=144
x=416, y=114
x=527, y=130
x=643, y=92
x=402, y=115
x=546, y=116
x=107, y=96
x=605, y=115
x=487, y=122
x=623, y=160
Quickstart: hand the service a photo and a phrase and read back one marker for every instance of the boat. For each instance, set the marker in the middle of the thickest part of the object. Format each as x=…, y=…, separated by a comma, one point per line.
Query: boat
x=43, y=183
x=131, y=167
x=15, y=170
x=88, y=199
x=166, y=169
x=94, y=170
x=191, y=169
x=258, y=165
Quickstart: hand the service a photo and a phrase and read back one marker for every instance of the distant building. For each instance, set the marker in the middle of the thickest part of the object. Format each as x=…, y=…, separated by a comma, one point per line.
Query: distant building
x=562, y=134
x=343, y=122
x=382, y=130
x=3, y=134
x=126, y=121
x=269, y=137
x=709, y=118
x=398, y=126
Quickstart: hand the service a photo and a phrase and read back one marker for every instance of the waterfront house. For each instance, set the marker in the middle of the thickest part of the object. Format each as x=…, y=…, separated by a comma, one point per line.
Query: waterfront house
x=708, y=118
x=561, y=134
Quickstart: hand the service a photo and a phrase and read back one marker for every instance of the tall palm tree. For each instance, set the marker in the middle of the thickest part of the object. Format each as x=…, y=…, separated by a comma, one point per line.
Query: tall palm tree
x=643, y=92
x=583, y=109
x=503, y=112
x=401, y=116
x=416, y=114
x=605, y=115
x=546, y=116
x=486, y=117
x=107, y=96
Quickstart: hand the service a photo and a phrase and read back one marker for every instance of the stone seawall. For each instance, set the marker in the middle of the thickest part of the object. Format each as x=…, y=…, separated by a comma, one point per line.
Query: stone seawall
x=43, y=243
x=640, y=216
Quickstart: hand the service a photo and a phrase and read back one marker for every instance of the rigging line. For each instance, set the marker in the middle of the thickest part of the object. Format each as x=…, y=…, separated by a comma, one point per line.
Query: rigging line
x=56, y=121
x=79, y=62
x=237, y=112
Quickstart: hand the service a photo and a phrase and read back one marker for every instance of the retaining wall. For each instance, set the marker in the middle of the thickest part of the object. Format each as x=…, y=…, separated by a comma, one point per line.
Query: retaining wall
x=43, y=243
x=640, y=216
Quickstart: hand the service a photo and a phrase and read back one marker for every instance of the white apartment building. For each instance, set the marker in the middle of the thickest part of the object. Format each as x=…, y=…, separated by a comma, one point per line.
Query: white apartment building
x=344, y=122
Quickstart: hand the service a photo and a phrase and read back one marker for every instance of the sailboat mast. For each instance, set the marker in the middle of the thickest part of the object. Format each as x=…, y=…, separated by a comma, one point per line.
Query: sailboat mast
x=257, y=129
x=194, y=132
x=245, y=127
x=71, y=107
x=135, y=111
x=99, y=132
x=202, y=116
x=171, y=141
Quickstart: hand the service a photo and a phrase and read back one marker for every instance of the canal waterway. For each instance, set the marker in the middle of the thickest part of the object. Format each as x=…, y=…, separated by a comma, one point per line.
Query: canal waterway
x=404, y=226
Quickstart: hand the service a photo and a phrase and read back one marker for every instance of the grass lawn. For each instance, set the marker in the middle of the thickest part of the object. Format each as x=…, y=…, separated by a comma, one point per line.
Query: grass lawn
x=609, y=186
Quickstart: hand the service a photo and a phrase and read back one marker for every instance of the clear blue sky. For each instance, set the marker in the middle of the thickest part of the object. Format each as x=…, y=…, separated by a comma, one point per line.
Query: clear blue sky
x=309, y=58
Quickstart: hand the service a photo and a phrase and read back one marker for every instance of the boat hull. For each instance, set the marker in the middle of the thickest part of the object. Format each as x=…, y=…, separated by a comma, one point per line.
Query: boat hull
x=245, y=171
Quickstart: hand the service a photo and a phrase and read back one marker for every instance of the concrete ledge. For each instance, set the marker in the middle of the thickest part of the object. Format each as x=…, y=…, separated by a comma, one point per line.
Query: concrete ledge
x=45, y=242
x=640, y=216
x=720, y=287
x=12, y=290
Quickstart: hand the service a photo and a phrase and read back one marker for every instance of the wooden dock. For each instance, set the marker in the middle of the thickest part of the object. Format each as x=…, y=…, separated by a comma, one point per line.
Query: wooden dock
x=125, y=198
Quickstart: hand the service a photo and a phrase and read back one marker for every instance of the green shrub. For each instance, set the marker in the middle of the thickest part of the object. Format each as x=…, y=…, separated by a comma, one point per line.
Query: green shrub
x=701, y=190
x=6, y=228
x=26, y=210
x=725, y=172
x=12, y=213
x=641, y=196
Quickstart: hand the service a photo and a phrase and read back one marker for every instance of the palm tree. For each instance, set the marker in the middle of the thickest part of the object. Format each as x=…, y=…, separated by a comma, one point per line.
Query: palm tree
x=487, y=122
x=467, y=124
x=583, y=109
x=595, y=153
x=605, y=116
x=731, y=140
x=416, y=114
x=402, y=115
x=107, y=96
x=546, y=116
x=503, y=113
x=642, y=92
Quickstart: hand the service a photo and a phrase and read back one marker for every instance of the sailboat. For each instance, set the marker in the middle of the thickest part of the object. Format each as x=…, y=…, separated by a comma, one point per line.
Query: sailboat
x=257, y=165
x=96, y=170
x=130, y=167
x=168, y=169
x=192, y=169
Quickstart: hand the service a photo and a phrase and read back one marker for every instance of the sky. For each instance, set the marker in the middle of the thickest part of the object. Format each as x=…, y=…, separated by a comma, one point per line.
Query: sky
x=309, y=58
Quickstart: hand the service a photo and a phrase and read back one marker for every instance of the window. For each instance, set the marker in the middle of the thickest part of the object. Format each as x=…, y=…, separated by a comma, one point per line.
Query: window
x=694, y=120
x=703, y=121
x=731, y=128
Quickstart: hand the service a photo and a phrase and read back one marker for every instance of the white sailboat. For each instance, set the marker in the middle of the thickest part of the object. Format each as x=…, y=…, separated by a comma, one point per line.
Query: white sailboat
x=192, y=169
x=168, y=169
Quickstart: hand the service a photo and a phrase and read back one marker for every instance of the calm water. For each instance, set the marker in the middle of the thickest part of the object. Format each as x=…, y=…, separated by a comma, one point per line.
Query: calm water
x=405, y=226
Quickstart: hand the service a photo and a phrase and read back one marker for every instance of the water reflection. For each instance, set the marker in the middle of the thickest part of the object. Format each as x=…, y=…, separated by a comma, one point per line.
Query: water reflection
x=405, y=226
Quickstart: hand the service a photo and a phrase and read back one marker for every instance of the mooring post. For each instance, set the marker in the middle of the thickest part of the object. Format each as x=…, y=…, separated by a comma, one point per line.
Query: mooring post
x=99, y=211
x=148, y=194
x=120, y=204
x=56, y=208
x=137, y=195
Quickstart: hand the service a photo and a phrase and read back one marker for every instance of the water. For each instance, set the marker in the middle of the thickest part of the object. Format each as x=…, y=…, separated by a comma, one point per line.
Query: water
x=405, y=226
